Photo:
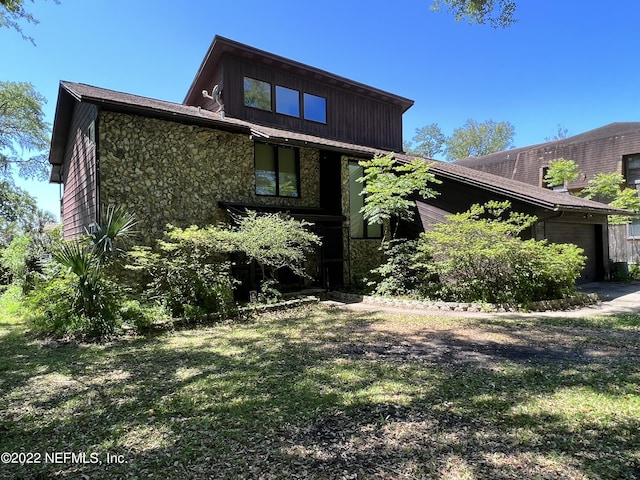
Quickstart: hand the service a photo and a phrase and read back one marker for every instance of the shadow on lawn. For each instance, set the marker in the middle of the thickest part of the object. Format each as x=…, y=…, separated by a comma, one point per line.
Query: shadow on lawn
x=317, y=394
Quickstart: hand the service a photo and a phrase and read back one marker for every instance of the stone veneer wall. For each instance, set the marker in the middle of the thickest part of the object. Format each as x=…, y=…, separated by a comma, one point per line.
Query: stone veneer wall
x=362, y=255
x=167, y=172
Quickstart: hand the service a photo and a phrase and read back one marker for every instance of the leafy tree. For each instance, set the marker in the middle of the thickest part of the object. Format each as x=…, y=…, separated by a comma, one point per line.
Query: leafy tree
x=12, y=12
x=274, y=241
x=429, y=141
x=611, y=188
x=24, y=243
x=17, y=207
x=498, y=13
x=604, y=187
x=388, y=186
x=22, y=129
x=561, y=172
x=626, y=199
x=476, y=139
x=478, y=255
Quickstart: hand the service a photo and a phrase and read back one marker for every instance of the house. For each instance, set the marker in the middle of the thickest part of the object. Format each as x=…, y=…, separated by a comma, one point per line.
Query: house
x=612, y=148
x=258, y=131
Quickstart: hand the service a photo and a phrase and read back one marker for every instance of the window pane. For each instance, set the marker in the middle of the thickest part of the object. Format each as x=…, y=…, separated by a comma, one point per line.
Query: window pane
x=287, y=101
x=374, y=230
x=257, y=94
x=265, y=170
x=288, y=173
x=633, y=169
x=355, y=201
x=315, y=108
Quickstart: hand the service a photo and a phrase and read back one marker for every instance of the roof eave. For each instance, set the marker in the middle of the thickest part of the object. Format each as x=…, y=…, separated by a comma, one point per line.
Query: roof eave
x=221, y=44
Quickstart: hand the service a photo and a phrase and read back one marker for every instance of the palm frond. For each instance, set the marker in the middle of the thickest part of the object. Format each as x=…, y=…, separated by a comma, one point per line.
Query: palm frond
x=75, y=257
x=117, y=228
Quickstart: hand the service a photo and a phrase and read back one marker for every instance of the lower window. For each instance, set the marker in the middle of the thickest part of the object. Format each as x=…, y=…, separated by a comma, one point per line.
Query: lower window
x=358, y=226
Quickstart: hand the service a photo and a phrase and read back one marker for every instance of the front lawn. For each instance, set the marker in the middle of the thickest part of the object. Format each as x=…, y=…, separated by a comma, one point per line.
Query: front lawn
x=326, y=393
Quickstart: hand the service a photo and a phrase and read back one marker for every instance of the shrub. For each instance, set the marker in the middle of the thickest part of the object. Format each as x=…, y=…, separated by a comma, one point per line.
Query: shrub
x=76, y=296
x=401, y=274
x=140, y=316
x=478, y=255
x=24, y=258
x=55, y=307
x=273, y=241
x=189, y=272
x=269, y=292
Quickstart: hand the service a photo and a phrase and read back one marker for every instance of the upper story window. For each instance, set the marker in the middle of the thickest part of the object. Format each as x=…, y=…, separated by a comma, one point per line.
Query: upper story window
x=358, y=226
x=315, y=108
x=287, y=101
x=257, y=94
x=277, y=171
x=632, y=169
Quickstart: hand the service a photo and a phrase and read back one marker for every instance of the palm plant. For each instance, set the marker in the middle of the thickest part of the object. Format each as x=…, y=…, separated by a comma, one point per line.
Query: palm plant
x=86, y=257
x=114, y=233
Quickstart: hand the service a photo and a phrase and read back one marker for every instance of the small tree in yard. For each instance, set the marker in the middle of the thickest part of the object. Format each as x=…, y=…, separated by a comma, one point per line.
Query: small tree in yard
x=611, y=188
x=190, y=270
x=274, y=241
x=478, y=255
x=388, y=186
x=561, y=172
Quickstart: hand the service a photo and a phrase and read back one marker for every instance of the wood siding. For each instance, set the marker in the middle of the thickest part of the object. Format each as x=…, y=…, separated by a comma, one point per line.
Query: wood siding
x=584, y=236
x=351, y=116
x=80, y=196
x=594, y=155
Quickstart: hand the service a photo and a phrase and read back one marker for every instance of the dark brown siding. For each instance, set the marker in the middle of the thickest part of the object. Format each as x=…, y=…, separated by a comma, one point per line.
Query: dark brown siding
x=80, y=196
x=593, y=155
x=582, y=235
x=351, y=116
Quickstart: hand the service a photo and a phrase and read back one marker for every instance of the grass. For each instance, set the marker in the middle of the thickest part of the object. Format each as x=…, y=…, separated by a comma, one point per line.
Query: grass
x=326, y=393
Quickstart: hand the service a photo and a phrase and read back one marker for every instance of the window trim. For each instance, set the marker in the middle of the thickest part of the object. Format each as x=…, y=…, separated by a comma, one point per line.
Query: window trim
x=276, y=157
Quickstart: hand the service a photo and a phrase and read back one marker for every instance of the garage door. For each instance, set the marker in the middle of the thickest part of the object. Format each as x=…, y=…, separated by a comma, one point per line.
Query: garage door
x=587, y=237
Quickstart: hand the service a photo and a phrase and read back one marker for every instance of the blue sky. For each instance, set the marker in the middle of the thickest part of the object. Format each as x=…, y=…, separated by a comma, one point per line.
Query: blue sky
x=568, y=62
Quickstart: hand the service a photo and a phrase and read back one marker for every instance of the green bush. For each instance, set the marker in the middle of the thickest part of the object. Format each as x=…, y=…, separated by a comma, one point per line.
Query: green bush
x=190, y=272
x=56, y=307
x=76, y=297
x=140, y=316
x=269, y=292
x=401, y=274
x=24, y=258
x=478, y=255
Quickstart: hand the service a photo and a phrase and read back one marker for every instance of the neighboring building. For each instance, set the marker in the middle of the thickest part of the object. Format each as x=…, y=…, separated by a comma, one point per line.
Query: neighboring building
x=612, y=148
x=258, y=131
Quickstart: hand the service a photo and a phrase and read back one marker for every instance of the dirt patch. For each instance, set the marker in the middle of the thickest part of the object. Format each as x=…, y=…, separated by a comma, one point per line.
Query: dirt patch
x=484, y=346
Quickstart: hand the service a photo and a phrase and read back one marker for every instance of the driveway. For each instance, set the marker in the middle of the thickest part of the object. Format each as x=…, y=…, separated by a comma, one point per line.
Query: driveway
x=616, y=298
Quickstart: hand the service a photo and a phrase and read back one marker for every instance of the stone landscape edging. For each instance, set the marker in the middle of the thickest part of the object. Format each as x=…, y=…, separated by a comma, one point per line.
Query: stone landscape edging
x=576, y=301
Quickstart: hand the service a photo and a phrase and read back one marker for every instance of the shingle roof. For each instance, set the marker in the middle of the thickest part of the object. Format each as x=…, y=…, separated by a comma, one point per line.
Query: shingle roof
x=615, y=129
x=124, y=102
